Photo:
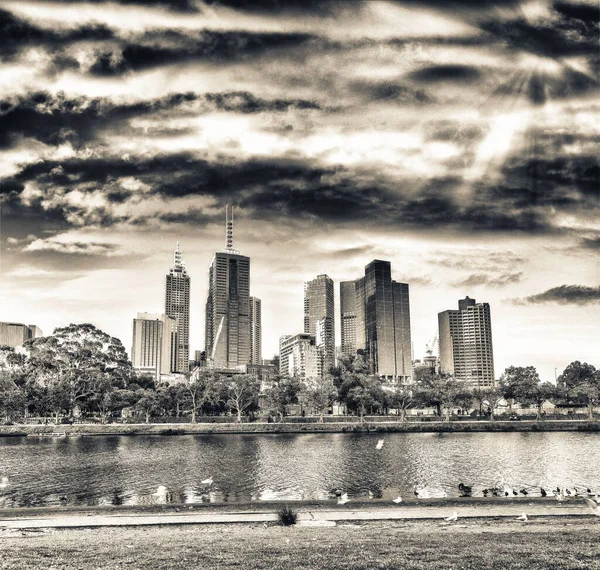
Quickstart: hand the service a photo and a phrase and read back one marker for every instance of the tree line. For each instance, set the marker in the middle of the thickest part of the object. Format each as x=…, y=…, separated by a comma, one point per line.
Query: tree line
x=82, y=369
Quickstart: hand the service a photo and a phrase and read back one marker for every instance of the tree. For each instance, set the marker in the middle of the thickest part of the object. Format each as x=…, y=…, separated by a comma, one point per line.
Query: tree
x=437, y=389
x=147, y=403
x=402, y=398
x=203, y=387
x=489, y=396
x=319, y=393
x=581, y=384
x=282, y=393
x=12, y=398
x=242, y=393
x=520, y=382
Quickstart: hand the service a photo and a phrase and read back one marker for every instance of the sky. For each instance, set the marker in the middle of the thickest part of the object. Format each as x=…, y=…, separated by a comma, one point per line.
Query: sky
x=457, y=139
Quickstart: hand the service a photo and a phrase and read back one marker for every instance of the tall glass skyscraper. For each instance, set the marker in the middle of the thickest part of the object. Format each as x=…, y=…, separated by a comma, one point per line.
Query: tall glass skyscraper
x=319, y=319
x=376, y=320
x=227, y=326
x=466, y=349
x=255, y=331
x=177, y=304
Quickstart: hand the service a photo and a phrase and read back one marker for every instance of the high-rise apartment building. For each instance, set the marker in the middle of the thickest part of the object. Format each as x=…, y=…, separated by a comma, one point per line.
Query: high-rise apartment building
x=177, y=304
x=227, y=326
x=319, y=319
x=255, y=331
x=300, y=356
x=465, y=340
x=15, y=334
x=154, y=346
x=348, y=317
x=377, y=316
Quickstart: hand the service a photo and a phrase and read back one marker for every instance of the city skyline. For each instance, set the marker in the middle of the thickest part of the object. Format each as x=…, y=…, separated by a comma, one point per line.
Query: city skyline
x=456, y=140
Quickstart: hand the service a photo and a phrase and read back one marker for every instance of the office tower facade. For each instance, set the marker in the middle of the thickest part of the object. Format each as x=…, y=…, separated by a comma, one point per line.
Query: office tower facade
x=348, y=317
x=154, y=347
x=378, y=321
x=15, y=334
x=319, y=319
x=177, y=305
x=227, y=326
x=255, y=331
x=465, y=341
x=300, y=356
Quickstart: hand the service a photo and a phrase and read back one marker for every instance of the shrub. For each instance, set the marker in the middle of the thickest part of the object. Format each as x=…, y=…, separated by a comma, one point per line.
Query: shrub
x=287, y=516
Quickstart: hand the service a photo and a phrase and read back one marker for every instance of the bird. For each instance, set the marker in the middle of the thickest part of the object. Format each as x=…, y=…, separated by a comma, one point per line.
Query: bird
x=343, y=499
x=560, y=497
x=453, y=517
x=465, y=490
x=208, y=481
x=594, y=507
x=523, y=517
x=379, y=444
x=524, y=491
x=3, y=482
x=398, y=499
x=515, y=492
x=543, y=492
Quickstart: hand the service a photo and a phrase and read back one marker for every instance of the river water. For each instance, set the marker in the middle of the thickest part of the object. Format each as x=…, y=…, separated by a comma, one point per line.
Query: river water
x=158, y=469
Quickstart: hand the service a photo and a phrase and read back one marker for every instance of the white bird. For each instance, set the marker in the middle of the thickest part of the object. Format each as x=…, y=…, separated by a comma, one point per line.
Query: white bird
x=208, y=481
x=379, y=444
x=3, y=482
x=343, y=499
x=523, y=518
x=594, y=507
x=398, y=499
x=453, y=517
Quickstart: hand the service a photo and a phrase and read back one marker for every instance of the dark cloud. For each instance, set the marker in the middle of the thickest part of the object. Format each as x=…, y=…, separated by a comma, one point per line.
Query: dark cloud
x=55, y=119
x=17, y=34
x=311, y=7
x=590, y=242
x=489, y=280
x=390, y=91
x=349, y=252
x=567, y=36
x=438, y=73
x=159, y=48
x=564, y=295
x=175, y=5
x=292, y=188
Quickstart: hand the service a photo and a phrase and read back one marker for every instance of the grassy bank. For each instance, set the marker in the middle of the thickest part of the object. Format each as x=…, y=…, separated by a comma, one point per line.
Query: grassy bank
x=544, y=544
x=349, y=427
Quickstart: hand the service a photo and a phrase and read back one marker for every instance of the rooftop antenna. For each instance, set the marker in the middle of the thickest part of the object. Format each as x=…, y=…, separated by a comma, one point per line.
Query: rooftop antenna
x=177, y=256
x=229, y=230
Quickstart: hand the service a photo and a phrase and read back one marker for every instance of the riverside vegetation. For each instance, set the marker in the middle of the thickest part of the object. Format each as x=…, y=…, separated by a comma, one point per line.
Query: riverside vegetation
x=81, y=371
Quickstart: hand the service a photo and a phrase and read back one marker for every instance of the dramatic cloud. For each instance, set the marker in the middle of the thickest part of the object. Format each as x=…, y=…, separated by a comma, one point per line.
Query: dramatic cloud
x=564, y=295
x=458, y=139
x=479, y=279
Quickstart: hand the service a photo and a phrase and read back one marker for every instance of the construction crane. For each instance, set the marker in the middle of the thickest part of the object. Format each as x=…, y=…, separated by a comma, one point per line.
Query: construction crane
x=429, y=348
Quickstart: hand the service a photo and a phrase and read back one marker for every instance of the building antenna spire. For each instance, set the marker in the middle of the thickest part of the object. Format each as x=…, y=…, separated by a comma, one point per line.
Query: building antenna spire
x=228, y=227
x=177, y=256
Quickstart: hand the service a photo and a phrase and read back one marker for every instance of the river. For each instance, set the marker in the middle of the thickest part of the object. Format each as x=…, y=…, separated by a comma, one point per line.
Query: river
x=138, y=470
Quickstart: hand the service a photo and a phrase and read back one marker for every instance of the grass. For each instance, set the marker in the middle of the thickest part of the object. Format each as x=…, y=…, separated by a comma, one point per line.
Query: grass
x=495, y=545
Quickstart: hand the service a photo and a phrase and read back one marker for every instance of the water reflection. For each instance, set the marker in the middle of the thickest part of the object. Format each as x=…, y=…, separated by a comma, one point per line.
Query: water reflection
x=159, y=470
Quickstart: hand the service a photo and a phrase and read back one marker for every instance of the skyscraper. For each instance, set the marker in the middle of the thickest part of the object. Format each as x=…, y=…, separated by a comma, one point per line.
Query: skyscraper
x=376, y=319
x=154, y=346
x=348, y=317
x=15, y=334
x=466, y=343
x=255, y=331
x=227, y=324
x=177, y=304
x=319, y=319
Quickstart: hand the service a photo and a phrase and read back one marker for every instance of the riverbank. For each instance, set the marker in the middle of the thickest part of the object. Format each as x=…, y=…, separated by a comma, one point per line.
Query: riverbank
x=295, y=428
x=558, y=543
